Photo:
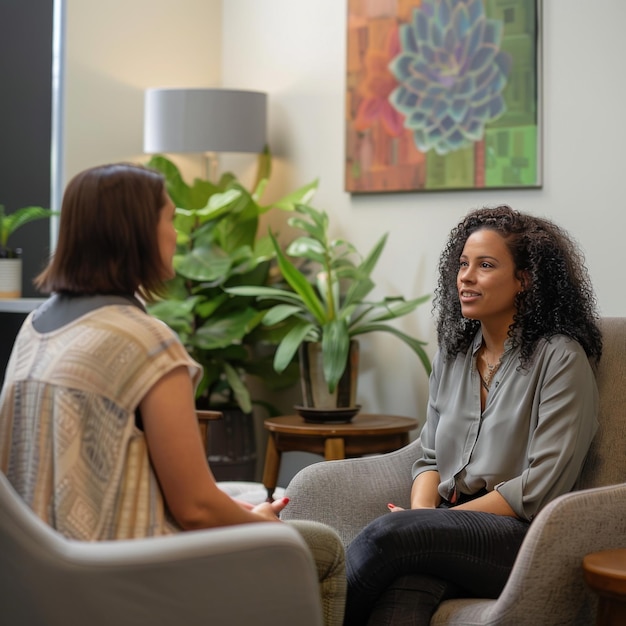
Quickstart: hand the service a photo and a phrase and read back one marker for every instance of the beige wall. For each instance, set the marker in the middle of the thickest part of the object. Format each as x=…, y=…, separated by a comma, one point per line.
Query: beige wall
x=114, y=51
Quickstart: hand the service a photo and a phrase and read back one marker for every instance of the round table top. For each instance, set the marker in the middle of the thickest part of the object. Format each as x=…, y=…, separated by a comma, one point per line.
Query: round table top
x=609, y=564
x=361, y=424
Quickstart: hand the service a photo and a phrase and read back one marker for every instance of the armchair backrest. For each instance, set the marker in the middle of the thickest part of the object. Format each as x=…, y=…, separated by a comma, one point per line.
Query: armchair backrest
x=606, y=460
x=260, y=574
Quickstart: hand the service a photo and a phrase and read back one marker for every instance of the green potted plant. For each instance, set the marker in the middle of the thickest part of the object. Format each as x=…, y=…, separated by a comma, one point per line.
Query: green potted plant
x=322, y=307
x=218, y=247
x=10, y=258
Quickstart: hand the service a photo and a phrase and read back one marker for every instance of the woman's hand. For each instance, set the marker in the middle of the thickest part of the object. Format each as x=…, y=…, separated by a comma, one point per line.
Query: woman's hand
x=424, y=494
x=393, y=508
x=270, y=510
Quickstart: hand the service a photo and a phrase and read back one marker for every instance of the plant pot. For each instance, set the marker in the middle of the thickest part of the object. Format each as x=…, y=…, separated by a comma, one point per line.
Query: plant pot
x=231, y=446
x=318, y=404
x=10, y=278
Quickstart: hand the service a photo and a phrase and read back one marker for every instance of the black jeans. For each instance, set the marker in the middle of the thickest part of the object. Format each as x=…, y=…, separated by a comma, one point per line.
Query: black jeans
x=453, y=552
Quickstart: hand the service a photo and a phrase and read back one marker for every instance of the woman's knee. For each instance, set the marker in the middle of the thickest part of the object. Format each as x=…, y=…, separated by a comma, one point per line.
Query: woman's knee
x=396, y=528
x=325, y=546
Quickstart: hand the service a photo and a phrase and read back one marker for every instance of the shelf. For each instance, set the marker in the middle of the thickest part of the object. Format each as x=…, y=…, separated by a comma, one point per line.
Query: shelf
x=19, y=305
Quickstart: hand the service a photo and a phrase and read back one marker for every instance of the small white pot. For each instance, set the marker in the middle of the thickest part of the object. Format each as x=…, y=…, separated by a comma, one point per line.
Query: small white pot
x=10, y=278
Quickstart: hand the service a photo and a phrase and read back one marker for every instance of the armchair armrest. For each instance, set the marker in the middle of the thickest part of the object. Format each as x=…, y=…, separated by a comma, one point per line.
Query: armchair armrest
x=260, y=574
x=349, y=494
x=547, y=578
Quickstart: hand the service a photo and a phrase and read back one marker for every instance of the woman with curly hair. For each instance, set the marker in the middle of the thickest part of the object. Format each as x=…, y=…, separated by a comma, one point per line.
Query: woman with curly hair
x=512, y=411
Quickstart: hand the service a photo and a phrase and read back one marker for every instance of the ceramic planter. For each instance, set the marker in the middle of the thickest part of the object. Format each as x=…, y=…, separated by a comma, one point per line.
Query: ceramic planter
x=10, y=278
x=318, y=404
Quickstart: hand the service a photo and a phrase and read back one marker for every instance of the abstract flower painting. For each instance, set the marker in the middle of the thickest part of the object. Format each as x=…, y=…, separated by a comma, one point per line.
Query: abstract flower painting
x=442, y=94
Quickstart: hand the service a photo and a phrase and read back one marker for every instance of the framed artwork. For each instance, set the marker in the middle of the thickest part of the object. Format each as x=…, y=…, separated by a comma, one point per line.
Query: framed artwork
x=442, y=95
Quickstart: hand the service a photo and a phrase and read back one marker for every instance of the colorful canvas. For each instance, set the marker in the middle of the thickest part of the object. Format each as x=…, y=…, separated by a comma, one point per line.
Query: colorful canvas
x=442, y=94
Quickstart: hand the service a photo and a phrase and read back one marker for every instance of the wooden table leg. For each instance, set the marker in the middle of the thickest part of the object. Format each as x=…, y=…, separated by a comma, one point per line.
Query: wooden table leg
x=272, y=465
x=334, y=449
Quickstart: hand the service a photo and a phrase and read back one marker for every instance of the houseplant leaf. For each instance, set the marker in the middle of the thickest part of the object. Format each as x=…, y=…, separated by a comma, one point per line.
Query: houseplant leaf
x=300, y=285
x=218, y=248
x=11, y=222
x=219, y=332
x=300, y=196
x=325, y=297
x=239, y=388
x=335, y=348
x=290, y=344
x=415, y=344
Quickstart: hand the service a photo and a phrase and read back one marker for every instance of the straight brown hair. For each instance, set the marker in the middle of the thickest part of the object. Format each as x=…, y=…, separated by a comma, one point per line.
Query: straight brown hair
x=108, y=234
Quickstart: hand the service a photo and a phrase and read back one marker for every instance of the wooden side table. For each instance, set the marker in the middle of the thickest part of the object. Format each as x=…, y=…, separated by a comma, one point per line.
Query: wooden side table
x=204, y=417
x=605, y=573
x=366, y=434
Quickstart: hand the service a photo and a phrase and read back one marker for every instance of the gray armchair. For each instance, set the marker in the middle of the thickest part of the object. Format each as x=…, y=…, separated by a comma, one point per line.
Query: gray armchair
x=546, y=585
x=261, y=574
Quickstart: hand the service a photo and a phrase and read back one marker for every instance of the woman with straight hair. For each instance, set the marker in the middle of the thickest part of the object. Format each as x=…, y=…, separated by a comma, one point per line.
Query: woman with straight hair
x=98, y=431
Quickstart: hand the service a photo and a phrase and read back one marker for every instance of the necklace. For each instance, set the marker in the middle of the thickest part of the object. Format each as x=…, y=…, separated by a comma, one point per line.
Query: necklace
x=492, y=368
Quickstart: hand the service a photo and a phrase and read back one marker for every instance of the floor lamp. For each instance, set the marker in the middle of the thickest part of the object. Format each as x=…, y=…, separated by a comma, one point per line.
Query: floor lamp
x=205, y=121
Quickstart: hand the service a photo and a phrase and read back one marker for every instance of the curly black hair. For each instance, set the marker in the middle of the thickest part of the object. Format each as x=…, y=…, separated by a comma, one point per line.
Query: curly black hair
x=559, y=298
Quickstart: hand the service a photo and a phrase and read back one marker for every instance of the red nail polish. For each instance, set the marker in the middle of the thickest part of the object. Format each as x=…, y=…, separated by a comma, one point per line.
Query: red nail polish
x=286, y=500
x=391, y=505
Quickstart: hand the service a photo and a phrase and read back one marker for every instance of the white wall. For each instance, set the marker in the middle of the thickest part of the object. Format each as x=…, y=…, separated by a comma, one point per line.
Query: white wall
x=295, y=51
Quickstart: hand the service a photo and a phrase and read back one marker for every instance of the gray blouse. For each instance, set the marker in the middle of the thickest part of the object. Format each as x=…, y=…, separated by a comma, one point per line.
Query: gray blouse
x=530, y=441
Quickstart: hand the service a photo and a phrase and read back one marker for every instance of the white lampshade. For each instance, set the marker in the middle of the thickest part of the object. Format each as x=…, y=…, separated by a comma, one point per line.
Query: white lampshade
x=204, y=120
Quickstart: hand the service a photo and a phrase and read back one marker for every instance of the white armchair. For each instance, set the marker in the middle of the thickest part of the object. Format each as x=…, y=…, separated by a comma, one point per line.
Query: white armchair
x=261, y=574
x=546, y=585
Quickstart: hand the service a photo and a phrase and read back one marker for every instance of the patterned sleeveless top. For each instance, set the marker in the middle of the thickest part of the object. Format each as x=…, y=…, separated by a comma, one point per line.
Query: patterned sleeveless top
x=68, y=439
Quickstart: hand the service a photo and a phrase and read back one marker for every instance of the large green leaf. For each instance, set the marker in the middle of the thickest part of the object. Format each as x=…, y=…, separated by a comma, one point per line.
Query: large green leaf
x=207, y=307
x=218, y=204
x=335, y=349
x=362, y=284
x=185, y=196
x=173, y=308
x=177, y=188
x=177, y=314
x=263, y=249
x=203, y=264
x=290, y=344
x=313, y=229
x=267, y=293
x=239, y=388
x=300, y=285
x=358, y=291
x=10, y=223
x=280, y=312
x=234, y=232
x=307, y=248
x=219, y=333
